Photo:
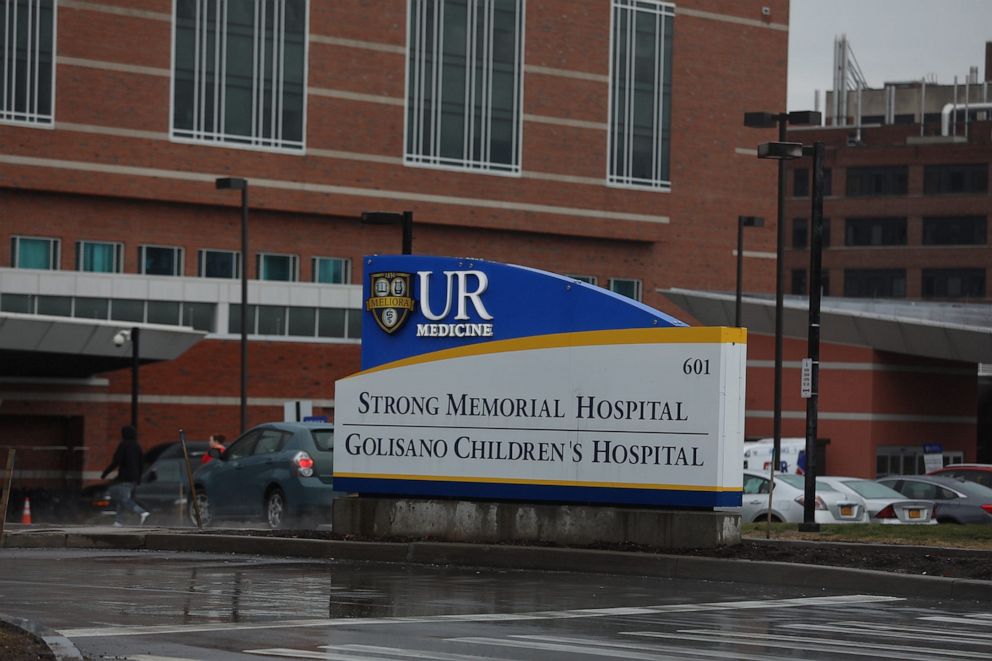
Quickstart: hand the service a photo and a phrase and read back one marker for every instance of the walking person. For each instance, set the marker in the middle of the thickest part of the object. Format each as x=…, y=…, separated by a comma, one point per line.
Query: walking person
x=127, y=461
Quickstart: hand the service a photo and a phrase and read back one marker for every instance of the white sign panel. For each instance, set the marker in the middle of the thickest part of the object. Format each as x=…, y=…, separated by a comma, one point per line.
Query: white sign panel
x=643, y=416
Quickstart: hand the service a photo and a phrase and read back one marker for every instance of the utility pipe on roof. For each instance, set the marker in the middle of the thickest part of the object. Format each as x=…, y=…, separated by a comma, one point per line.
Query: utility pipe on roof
x=945, y=114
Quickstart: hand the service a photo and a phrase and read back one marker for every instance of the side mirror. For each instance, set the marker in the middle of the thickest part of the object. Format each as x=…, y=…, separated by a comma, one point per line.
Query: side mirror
x=150, y=476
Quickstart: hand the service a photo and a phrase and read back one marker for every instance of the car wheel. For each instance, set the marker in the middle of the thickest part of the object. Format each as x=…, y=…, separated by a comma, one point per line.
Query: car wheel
x=276, y=509
x=761, y=518
x=201, y=500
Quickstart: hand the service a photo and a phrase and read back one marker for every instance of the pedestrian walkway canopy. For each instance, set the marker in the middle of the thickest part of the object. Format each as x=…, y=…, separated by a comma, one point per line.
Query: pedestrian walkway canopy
x=65, y=347
x=948, y=331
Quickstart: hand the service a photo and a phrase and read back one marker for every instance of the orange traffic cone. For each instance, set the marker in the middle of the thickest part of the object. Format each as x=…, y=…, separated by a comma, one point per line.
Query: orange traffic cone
x=26, y=514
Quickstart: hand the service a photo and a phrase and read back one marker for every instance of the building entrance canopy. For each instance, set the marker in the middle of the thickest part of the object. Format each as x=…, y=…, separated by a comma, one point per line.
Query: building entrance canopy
x=60, y=347
x=959, y=332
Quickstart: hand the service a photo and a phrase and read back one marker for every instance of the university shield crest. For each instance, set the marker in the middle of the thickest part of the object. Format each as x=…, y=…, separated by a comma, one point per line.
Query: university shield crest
x=389, y=300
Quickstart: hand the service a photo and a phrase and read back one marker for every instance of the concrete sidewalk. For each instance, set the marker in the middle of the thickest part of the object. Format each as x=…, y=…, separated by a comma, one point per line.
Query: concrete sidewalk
x=507, y=557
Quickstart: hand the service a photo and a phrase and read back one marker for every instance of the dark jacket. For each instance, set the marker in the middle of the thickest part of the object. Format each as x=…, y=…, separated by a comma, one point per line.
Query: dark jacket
x=127, y=461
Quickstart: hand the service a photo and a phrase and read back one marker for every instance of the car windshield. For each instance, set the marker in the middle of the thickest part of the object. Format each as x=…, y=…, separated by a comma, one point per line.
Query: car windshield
x=799, y=482
x=323, y=439
x=868, y=489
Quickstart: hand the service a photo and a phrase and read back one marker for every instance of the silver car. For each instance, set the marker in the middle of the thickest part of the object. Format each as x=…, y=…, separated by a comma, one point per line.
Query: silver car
x=885, y=505
x=831, y=506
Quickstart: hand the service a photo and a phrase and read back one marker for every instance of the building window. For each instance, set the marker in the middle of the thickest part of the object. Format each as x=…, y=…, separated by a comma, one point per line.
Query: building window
x=953, y=283
x=800, y=182
x=239, y=72
x=464, y=84
x=332, y=270
x=955, y=231
x=875, y=232
x=939, y=179
x=798, y=282
x=99, y=257
x=626, y=287
x=160, y=260
x=875, y=283
x=800, y=233
x=640, y=93
x=219, y=264
x=890, y=180
x=588, y=279
x=27, y=252
x=282, y=268
x=297, y=321
x=27, y=46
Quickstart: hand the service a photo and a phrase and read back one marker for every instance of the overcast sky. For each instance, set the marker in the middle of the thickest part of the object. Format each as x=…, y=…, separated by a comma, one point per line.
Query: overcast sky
x=891, y=39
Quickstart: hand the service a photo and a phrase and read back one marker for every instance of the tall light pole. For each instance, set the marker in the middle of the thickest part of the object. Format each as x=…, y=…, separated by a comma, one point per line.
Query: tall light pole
x=132, y=335
x=234, y=183
x=815, y=291
x=404, y=219
x=782, y=120
x=742, y=222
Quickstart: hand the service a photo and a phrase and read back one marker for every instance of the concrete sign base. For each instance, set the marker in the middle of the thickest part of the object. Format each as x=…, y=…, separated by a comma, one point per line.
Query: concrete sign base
x=495, y=522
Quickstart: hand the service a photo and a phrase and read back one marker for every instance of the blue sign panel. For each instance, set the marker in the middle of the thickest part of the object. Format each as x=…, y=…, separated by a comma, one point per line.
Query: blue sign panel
x=417, y=304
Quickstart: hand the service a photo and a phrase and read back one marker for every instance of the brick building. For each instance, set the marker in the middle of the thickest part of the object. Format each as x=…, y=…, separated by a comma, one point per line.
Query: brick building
x=599, y=139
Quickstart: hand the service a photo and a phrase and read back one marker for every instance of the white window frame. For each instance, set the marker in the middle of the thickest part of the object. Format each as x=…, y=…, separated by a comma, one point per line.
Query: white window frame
x=180, y=261
x=201, y=263
x=415, y=82
x=33, y=119
x=588, y=279
x=54, y=251
x=231, y=141
x=637, y=285
x=294, y=265
x=661, y=10
x=118, y=255
x=347, y=269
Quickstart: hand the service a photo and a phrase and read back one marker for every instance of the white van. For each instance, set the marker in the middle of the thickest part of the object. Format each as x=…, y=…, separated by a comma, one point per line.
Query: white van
x=758, y=454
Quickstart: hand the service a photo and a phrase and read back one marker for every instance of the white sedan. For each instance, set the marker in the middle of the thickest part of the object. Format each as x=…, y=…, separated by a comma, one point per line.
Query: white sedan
x=830, y=506
x=885, y=505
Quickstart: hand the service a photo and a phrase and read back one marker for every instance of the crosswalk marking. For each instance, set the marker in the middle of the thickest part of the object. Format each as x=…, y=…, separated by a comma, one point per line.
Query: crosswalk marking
x=800, y=602
x=795, y=643
x=892, y=631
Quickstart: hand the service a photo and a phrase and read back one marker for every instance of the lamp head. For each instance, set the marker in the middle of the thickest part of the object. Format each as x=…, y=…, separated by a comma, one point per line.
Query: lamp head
x=781, y=151
x=751, y=221
x=760, y=120
x=231, y=183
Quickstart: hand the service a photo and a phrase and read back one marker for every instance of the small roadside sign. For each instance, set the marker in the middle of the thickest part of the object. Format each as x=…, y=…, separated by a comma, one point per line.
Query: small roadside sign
x=806, y=380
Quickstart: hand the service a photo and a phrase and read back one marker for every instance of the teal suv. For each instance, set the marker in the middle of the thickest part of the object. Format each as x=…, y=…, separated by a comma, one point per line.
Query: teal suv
x=280, y=472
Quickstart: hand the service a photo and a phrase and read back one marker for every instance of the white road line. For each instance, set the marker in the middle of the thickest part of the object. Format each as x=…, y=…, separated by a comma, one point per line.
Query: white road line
x=892, y=631
x=92, y=632
x=832, y=645
x=657, y=648
x=573, y=649
x=958, y=620
x=414, y=654
x=307, y=654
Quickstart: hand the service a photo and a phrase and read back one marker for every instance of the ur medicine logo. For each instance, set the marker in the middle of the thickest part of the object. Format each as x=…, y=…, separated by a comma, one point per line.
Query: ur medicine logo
x=390, y=302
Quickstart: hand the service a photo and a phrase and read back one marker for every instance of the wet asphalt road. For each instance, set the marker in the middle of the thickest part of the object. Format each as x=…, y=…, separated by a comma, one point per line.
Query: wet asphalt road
x=157, y=606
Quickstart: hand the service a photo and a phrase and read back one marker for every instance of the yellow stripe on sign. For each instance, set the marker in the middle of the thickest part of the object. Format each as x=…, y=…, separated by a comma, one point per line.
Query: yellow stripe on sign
x=677, y=335
x=553, y=483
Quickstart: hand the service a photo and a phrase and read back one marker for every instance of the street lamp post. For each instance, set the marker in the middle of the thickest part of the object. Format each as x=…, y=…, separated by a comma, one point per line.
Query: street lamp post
x=742, y=222
x=235, y=183
x=815, y=292
x=132, y=335
x=769, y=120
x=404, y=219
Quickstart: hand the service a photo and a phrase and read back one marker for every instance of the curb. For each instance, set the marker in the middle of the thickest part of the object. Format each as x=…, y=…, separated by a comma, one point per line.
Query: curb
x=60, y=646
x=524, y=557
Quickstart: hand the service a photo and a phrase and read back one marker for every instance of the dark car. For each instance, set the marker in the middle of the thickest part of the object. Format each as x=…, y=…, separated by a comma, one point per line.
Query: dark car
x=981, y=473
x=279, y=472
x=159, y=489
x=956, y=501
